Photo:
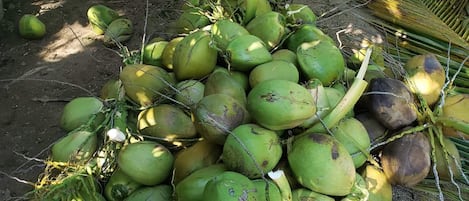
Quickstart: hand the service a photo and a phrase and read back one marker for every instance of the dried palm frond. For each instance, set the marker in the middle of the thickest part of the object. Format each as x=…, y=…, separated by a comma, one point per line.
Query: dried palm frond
x=415, y=27
x=444, y=20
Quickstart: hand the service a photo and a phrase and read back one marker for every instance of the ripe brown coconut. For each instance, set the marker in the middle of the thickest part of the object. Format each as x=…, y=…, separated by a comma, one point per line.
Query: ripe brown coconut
x=391, y=103
x=406, y=161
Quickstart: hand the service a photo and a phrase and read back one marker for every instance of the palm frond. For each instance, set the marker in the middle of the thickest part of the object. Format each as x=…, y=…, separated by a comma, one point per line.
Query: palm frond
x=415, y=27
x=463, y=148
x=440, y=19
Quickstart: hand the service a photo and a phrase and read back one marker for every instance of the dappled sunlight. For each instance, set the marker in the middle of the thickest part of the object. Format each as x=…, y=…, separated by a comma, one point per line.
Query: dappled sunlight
x=140, y=73
x=393, y=7
x=374, y=185
x=192, y=42
x=365, y=41
x=158, y=151
x=255, y=46
x=143, y=96
x=424, y=83
x=63, y=46
x=362, y=40
x=46, y=6
x=171, y=137
x=147, y=119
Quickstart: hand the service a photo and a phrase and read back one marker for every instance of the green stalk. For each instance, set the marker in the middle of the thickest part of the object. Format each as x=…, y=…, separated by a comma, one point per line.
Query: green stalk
x=279, y=178
x=120, y=116
x=454, y=123
x=348, y=101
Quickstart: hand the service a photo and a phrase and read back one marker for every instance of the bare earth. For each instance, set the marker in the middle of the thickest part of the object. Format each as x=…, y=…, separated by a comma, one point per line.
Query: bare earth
x=38, y=77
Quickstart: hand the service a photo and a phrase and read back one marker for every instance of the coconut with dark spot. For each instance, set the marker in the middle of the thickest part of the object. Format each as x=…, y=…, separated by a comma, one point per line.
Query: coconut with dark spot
x=426, y=77
x=406, y=161
x=220, y=82
x=192, y=187
x=377, y=184
x=321, y=164
x=216, y=115
x=303, y=194
x=280, y=104
x=199, y=155
x=391, y=103
x=252, y=150
x=267, y=190
x=230, y=186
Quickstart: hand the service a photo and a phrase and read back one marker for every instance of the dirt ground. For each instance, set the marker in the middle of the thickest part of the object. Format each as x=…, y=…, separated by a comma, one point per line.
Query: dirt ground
x=38, y=77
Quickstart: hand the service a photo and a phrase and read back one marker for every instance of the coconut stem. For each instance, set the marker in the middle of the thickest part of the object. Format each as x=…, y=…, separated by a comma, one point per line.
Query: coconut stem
x=433, y=158
x=348, y=101
x=454, y=123
x=281, y=181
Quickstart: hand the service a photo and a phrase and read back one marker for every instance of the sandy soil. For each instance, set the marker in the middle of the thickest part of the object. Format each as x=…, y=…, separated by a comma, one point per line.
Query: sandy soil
x=38, y=77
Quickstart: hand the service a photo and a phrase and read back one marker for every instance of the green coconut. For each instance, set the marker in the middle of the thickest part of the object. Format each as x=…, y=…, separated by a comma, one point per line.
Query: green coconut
x=152, y=193
x=167, y=122
x=140, y=160
x=303, y=194
x=322, y=164
x=224, y=31
x=190, y=20
x=285, y=55
x=322, y=60
x=30, y=27
x=100, y=16
x=119, y=31
x=192, y=187
x=220, y=82
x=353, y=135
x=321, y=101
x=75, y=146
x=79, y=111
x=269, y=27
x=195, y=157
x=217, y=114
x=306, y=33
x=275, y=69
x=153, y=52
x=190, y=92
x=267, y=190
x=168, y=53
x=252, y=150
x=230, y=186
x=359, y=191
x=144, y=84
x=247, y=51
x=299, y=14
x=193, y=57
x=262, y=7
x=240, y=77
x=280, y=104
x=111, y=90
x=120, y=186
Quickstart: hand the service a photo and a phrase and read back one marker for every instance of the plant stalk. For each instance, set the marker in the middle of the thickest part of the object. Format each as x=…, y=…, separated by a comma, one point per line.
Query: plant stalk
x=348, y=101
